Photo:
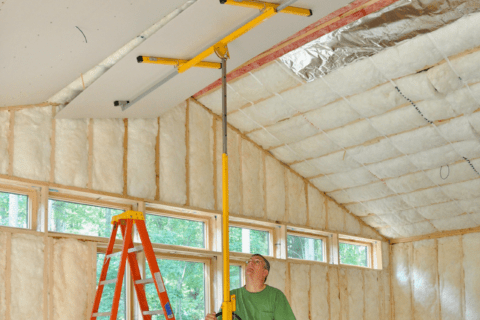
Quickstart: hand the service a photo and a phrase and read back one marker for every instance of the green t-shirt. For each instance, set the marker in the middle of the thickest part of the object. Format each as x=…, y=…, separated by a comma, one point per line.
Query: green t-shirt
x=268, y=304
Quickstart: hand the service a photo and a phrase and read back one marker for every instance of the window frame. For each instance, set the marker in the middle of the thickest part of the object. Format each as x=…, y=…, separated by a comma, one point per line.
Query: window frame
x=374, y=250
x=357, y=243
x=239, y=263
x=32, y=214
x=256, y=227
x=311, y=236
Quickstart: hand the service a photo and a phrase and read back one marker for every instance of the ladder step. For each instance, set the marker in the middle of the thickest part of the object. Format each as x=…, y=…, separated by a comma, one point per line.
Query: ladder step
x=135, y=249
x=101, y=314
x=114, y=254
x=108, y=282
x=143, y=281
x=148, y=313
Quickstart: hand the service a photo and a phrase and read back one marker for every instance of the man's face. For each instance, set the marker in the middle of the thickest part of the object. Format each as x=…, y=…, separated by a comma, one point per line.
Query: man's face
x=256, y=268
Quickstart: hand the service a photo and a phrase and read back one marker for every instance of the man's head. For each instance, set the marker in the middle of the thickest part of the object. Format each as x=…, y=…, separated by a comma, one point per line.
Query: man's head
x=258, y=267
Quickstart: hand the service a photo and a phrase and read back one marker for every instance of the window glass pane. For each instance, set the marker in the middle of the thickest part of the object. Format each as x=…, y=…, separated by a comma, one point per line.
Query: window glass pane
x=304, y=248
x=175, y=231
x=81, y=219
x=235, y=277
x=109, y=289
x=353, y=254
x=13, y=210
x=249, y=240
x=185, y=285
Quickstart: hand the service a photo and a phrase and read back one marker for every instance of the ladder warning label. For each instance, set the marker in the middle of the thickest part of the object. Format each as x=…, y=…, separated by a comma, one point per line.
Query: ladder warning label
x=169, y=311
x=159, y=281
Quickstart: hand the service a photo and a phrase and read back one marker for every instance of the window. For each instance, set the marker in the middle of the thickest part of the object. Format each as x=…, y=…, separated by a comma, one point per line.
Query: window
x=305, y=248
x=81, y=219
x=109, y=289
x=355, y=254
x=249, y=241
x=13, y=210
x=174, y=231
x=235, y=277
x=185, y=285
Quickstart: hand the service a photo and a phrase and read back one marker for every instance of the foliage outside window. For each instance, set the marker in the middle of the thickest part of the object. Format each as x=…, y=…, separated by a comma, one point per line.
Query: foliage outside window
x=185, y=285
x=175, y=231
x=81, y=219
x=305, y=248
x=249, y=240
x=235, y=277
x=13, y=210
x=353, y=254
x=109, y=289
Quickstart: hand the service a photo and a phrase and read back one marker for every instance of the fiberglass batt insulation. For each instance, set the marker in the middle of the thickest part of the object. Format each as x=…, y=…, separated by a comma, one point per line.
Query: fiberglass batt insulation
x=233, y=168
x=334, y=292
x=352, y=225
x=401, y=285
x=424, y=273
x=335, y=216
x=297, y=202
x=3, y=269
x=269, y=111
x=213, y=100
x=252, y=180
x=249, y=88
x=27, y=261
x=71, y=152
x=450, y=258
x=471, y=261
x=277, y=275
x=316, y=208
x=373, y=298
x=142, y=139
x=276, y=77
x=275, y=182
x=73, y=272
x=201, y=157
x=319, y=293
x=4, y=131
x=31, y=145
x=173, y=151
x=108, y=136
x=355, y=288
x=300, y=286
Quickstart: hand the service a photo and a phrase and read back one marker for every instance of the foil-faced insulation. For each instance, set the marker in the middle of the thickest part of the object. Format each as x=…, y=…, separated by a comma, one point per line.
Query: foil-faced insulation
x=378, y=34
x=4, y=131
x=275, y=189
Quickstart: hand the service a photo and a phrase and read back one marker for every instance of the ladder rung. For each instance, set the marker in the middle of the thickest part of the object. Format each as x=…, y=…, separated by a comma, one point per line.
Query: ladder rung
x=108, y=281
x=148, y=313
x=135, y=249
x=114, y=254
x=142, y=281
x=101, y=314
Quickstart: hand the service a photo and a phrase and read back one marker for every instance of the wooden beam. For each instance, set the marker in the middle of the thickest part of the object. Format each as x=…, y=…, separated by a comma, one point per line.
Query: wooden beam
x=436, y=235
x=8, y=276
x=90, y=153
x=157, y=162
x=52, y=142
x=125, y=157
x=11, y=134
x=187, y=149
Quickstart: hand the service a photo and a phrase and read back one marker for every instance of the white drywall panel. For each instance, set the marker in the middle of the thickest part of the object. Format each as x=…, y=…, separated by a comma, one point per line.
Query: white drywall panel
x=3, y=269
x=309, y=96
x=352, y=225
x=332, y=116
x=108, y=136
x=276, y=77
x=72, y=276
x=275, y=189
x=401, y=285
x=392, y=168
x=353, y=134
x=425, y=280
x=316, y=209
x=334, y=293
x=355, y=294
x=142, y=139
x=373, y=298
x=173, y=151
x=319, y=293
x=31, y=143
x=376, y=101
x=471, y=261
x=300, y=286
x=233, y=169
x=277, y=274
x=4, y=131
x=297, y=199
x=252, y=180
x=201, y=157
x=335, y=217
x=450, y=276
x=26, y=280
x=71, y=152
x=372, y=153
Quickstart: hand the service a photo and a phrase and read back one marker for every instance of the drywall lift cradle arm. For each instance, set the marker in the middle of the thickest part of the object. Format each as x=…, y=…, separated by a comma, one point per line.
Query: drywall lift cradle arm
x=220, y=48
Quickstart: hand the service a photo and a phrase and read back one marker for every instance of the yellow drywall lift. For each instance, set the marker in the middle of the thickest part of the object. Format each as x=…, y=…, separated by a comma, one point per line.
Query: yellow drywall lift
x=267, y=10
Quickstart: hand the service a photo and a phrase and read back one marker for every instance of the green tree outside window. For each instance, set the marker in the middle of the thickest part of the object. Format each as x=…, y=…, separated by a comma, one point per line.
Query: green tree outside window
x=352, y=254
x=249, y=240
x=304, y=248
x=109, y=289
x=175, y=231
x=13, y=210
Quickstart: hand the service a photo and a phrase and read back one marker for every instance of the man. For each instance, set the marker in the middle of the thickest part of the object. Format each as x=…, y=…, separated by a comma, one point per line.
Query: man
x=256, y=300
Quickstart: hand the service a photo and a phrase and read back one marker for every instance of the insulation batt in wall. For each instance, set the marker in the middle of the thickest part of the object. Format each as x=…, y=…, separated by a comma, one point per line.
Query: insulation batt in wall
x=401, y=288
x=297, y=201
x=71, y=152
x=336, y=217
x=319, y=293
x=276, y=77
x=201, y=157
x=3, y=270
x=173, y=152
x=27, y=283
x=275, y=188
x=316, y=208
x=300, y=286
x=333, y=285
x=373, y=296
x=31, y=146
x=142, y=135
x=4, y=130
x=471, y=261
x=252, y=180
x=108, y=155
x=277, y=275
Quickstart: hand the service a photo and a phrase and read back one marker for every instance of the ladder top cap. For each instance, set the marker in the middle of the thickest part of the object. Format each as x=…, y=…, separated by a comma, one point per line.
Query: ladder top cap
x=130, y=214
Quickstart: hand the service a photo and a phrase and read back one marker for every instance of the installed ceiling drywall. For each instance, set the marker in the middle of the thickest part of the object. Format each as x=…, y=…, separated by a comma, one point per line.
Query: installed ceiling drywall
x=394, y=137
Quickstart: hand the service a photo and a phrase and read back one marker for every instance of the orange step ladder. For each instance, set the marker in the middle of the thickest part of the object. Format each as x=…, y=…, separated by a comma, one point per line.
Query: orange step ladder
x=126, y=221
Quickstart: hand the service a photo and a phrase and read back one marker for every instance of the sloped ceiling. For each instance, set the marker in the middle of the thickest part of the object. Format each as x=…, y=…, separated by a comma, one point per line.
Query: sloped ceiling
x=393, y=137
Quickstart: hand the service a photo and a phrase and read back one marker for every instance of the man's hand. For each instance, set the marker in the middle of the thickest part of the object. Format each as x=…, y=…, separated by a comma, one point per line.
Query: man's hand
x=211, y=316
